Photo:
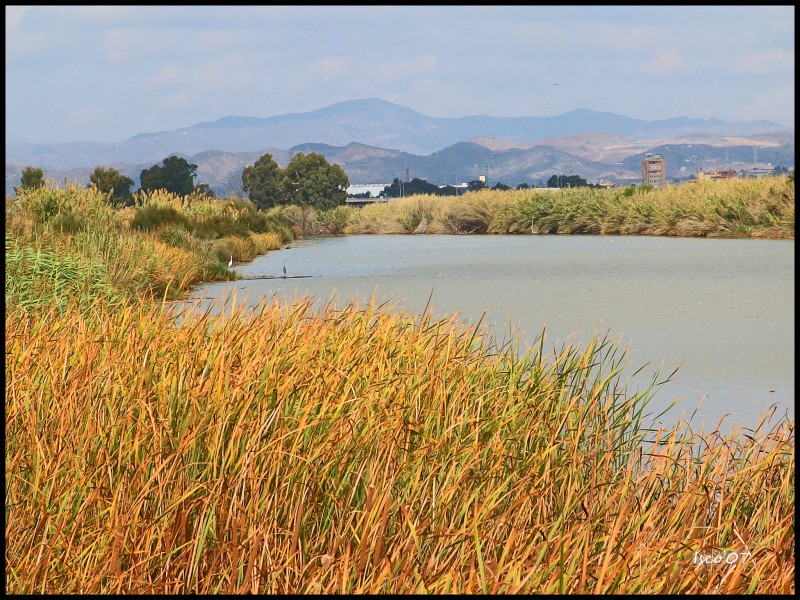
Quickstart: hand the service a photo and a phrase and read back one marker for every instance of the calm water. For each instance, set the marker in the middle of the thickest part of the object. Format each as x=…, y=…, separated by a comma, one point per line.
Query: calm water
x=722, y=309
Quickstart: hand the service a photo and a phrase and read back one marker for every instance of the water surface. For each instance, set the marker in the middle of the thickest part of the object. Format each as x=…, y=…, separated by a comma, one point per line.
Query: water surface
x=721, y=309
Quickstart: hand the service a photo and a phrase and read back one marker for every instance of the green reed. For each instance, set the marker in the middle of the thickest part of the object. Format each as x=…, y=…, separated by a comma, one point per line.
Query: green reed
x=293, y=449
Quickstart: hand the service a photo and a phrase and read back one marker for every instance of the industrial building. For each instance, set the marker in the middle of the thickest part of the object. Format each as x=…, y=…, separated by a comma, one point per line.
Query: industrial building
x=654, y=170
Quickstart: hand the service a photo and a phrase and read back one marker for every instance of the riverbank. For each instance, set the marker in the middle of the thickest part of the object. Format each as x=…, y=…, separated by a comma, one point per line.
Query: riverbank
x=69, y=243
x=745, y=208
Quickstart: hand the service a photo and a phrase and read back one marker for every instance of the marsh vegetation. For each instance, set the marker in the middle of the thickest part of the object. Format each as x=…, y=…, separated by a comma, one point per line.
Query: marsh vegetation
x=745, y=208
x=297, y=449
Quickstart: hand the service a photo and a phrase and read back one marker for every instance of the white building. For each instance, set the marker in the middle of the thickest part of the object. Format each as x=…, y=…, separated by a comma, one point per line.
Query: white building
x=373, y=188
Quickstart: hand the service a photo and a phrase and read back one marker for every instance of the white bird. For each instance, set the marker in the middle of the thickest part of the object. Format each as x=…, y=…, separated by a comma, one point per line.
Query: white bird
x=230, y=264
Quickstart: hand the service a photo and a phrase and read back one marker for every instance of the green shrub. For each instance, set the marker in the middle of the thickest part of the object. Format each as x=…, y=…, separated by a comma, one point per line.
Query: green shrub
x=336, y=220
x=67, y=222
x=176, y=236
x=150, y=217
x=218, y=226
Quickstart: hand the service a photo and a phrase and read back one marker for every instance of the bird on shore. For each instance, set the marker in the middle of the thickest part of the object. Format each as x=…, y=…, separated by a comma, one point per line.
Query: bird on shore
x=284, y=268
x=230, y=264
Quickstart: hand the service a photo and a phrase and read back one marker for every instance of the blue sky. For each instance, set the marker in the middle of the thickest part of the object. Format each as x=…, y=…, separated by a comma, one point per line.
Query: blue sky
x=104, y=74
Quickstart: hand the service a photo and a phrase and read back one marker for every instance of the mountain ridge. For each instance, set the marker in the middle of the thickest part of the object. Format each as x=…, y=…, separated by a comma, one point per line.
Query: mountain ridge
x=459, y=163
x=374, y=139
x=373, y=122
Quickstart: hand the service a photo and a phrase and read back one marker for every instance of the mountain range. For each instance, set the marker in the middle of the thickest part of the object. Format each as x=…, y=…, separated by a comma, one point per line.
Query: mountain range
x=375, y=141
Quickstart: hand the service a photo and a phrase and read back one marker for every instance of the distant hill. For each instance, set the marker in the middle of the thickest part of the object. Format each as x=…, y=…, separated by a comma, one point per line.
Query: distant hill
x=459, y=163
x=375, y=140
x=372, y=122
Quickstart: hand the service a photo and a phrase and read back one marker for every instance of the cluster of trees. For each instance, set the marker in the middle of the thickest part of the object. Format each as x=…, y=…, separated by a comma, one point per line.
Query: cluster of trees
x=31, y=179
x=307, y=181
x=563, y=181
x=175, y=175
x=398, y=189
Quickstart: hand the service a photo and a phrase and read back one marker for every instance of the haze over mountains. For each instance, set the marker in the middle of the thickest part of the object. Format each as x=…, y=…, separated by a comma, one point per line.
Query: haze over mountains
x=375, y=140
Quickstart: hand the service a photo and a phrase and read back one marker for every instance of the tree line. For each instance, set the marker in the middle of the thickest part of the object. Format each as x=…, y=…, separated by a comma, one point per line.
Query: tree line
x=398, y=189
x=307, y=181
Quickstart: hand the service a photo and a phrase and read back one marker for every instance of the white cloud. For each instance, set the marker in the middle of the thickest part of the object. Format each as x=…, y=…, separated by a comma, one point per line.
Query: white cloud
x=18, y=40
x=231, y=71
x=14, y=15
x=394, y=70
x=774, y=103
x=607, y=36
x=134, y=44
x=105, y=14
x=204, y=62
x=670, y=61
x=123, y=45
x=166, y=76
x=765, y=62
x=181, y=99
x=88, y=115
x=328, y=68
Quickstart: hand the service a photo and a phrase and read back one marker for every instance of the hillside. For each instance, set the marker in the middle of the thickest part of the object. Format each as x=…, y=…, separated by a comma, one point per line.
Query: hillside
x=374, y=140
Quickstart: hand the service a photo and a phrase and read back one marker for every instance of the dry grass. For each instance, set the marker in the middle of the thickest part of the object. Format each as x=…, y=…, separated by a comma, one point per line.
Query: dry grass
x=734, y=208
x=69, y=242
x=362, y=450
x=291, y=449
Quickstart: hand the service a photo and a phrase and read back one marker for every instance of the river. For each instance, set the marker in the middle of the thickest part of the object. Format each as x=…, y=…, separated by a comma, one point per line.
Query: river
x=721, y=309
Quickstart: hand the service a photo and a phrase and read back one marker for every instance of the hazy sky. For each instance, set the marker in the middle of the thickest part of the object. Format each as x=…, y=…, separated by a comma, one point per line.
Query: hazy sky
x=104, y=74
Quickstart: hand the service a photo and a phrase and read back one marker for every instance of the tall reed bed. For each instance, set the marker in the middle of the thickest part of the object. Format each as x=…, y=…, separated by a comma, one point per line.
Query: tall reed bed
x=68, y=242
x=293, y=449
x=732, y=208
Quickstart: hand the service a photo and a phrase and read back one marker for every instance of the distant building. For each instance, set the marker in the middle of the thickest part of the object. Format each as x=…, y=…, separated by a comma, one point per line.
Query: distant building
x=359, y=202
x=761, y=172
x=716, y=175
x=360, y=188
x=654, y=170
x=461, y=188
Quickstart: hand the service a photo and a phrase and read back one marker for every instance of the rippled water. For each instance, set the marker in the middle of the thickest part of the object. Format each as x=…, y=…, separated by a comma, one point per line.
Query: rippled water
x=723, y=309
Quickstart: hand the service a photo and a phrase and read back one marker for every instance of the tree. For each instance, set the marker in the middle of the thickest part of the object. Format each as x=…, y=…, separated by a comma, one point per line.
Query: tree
x=31, y=179
x=398, y=189
x=448, y=190
x=176, y=176
x=393, y=190
x=500, y=186
x=475, y=185
x=523, y=186
x=112, y=182
x=565, y=181
x=203, y=189
x=263, y=182
x=420, y=186
x=310, y=181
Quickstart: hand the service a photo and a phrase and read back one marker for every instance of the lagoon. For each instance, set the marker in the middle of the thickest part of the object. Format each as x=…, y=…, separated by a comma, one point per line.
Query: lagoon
x=720, y=309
